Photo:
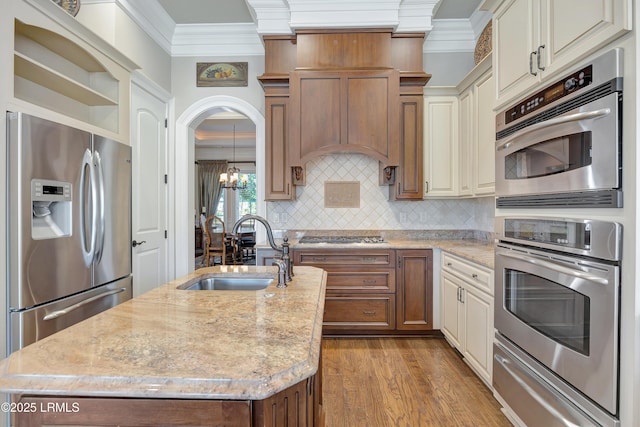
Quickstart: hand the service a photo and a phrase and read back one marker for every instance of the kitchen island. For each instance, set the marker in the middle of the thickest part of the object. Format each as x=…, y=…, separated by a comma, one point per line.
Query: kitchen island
x=181, y=357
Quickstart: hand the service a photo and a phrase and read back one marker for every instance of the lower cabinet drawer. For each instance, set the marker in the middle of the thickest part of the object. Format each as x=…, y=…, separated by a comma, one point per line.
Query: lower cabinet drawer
x=383, y=281
x=359, y=312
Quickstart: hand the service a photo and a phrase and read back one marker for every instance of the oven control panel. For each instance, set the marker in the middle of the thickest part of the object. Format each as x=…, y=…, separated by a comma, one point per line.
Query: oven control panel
x=598, y=239
x=568, y=85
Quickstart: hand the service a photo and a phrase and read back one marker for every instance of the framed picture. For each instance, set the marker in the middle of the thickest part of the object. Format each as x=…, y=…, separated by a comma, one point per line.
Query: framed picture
x=210, y=74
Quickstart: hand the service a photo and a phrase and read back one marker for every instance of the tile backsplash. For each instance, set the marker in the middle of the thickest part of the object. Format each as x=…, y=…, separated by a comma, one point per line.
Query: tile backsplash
x=376, y=212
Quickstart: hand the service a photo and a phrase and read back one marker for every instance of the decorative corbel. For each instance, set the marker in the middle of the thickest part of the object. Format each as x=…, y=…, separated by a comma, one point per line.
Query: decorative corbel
x=298, y=175
x=387, y=175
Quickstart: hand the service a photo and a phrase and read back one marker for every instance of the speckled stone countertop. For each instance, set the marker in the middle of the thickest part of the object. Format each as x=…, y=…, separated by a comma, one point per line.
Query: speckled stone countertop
x=172, y=343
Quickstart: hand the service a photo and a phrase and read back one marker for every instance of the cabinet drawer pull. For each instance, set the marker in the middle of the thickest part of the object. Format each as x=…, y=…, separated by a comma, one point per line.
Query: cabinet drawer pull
x=319, y=258
x=449, y=264
x=370, y=281
x=368, y=259
x=474, y=275
x=369, y=312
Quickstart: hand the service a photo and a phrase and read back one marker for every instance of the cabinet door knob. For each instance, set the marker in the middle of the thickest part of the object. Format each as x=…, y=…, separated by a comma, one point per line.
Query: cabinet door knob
x=474, y=275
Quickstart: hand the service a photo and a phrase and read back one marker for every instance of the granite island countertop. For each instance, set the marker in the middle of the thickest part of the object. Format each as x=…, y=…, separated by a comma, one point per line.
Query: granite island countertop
x=173, y=343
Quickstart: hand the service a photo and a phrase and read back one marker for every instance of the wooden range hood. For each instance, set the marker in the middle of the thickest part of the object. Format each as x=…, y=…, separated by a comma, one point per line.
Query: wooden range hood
x=344, y=91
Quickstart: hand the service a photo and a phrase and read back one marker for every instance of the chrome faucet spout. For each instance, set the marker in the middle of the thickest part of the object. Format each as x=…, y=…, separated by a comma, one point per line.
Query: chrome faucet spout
x=284, y=250
x=261, y=220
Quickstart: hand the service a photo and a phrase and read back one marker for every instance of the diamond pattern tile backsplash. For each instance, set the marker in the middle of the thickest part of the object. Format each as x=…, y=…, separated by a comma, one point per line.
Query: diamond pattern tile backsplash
x=376, y=212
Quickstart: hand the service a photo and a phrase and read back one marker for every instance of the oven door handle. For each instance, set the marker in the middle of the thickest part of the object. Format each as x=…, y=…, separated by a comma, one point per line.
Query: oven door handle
x=575, y=117
x=557, y=268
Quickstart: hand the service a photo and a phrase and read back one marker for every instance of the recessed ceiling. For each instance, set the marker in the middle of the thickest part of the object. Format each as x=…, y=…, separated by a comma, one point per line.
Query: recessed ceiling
x=237, y=11
x=207, y=11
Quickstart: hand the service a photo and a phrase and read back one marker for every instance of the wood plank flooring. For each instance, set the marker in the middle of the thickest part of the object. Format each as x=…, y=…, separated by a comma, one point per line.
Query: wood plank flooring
x=403, y=382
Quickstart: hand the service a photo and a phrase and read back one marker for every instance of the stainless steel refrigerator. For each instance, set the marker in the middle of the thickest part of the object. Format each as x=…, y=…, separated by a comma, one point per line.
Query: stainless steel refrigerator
x=69, y=227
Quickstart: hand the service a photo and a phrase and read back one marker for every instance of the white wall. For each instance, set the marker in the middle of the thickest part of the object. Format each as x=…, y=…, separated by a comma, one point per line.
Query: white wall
x=447, y=69
x=183, y=75
x=113, y=25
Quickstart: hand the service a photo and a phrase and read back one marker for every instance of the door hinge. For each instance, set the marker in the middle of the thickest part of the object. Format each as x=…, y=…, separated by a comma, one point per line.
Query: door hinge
x=166, y=178
x=165, y=234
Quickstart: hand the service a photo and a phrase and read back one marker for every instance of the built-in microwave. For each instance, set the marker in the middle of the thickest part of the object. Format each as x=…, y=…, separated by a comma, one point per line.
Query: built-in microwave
x=562, y=146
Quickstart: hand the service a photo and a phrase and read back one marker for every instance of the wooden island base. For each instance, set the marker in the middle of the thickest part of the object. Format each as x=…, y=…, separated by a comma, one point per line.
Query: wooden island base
x=298, y=405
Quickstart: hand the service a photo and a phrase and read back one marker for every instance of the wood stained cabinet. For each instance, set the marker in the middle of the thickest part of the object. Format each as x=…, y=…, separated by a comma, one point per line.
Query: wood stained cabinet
x=344, y=111
x=381, y=291
x=278, y=182
x=409, y=175
x=298, y=405
x=414, y=289
x=361, y=286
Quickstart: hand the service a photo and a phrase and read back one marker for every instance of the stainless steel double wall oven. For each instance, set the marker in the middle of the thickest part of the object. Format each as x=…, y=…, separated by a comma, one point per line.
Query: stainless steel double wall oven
x=556, y=354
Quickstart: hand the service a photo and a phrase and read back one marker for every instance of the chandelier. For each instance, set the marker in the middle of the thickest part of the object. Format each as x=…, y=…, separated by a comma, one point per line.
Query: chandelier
x=230, y=178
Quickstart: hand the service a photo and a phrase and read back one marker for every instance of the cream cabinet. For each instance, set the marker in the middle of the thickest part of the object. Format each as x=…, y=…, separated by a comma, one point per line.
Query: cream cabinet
x=483, y=135
x=467, y=311
x=459, y=155
x=441, y=144
x=535, y=39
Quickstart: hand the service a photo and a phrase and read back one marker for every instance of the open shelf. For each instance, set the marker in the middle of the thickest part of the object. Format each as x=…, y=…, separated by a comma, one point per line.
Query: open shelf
x=36, y=72
x=54, y=72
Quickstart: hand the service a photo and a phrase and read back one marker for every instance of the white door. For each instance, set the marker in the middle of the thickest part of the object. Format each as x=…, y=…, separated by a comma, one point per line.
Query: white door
x=149, y=192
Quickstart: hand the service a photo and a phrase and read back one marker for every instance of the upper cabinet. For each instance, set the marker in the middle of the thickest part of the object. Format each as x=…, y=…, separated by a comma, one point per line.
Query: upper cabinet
x=344, y=111
x=355, y=91
x=534, y=39
x=441, y=142
x=460, y=136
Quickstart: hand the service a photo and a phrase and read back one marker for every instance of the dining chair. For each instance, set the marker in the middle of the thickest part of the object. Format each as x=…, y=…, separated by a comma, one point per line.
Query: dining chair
x=215, y=244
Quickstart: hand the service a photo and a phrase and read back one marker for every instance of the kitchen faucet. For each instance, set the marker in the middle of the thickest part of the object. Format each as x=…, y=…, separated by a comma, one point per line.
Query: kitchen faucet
x=284, y=250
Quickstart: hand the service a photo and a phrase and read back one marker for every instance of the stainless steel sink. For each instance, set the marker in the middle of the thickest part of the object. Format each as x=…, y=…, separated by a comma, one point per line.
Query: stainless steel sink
x=225, y=283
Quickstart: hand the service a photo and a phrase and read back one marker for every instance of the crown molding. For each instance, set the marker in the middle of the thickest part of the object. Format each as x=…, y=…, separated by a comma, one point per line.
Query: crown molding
x=343, y=14
x=284, y=17
x=149, y=16
x=479, y=19
x=216, y=40
x=272, y=16
x=450, y=35
x=415, y=15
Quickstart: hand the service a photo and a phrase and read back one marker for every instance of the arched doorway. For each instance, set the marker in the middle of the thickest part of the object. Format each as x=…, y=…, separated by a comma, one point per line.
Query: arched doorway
x=183, y=165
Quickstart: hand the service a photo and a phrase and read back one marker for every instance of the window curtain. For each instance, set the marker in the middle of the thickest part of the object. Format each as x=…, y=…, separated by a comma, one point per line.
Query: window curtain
x=209, y=184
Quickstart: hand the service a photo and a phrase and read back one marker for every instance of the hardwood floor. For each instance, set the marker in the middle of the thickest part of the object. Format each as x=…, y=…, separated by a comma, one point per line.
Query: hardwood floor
x=404, y=382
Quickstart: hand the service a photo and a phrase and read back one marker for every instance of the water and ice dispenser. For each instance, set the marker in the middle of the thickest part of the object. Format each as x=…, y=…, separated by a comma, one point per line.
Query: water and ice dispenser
x=52, y=207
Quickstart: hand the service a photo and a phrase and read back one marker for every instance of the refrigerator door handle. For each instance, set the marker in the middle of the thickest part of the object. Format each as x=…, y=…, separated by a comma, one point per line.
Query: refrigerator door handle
x=100, y=229
x=88, y=253
x=67, y=310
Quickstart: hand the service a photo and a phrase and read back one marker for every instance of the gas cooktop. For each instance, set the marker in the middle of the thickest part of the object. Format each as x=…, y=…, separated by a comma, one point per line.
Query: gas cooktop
x=342, y=239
